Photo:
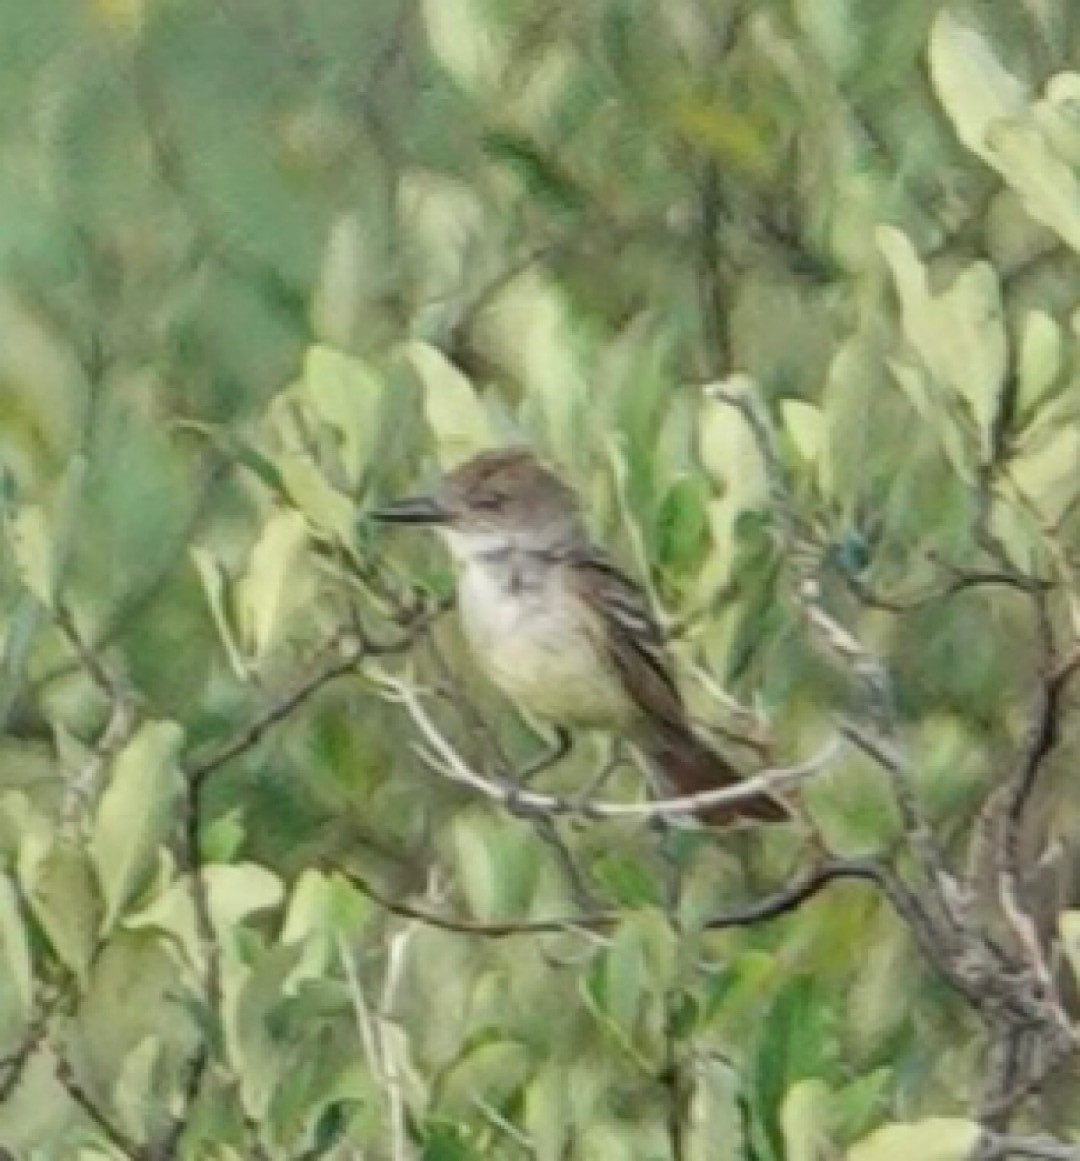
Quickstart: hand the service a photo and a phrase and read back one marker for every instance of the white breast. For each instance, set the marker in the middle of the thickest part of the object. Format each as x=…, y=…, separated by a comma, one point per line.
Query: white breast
x=532, y=638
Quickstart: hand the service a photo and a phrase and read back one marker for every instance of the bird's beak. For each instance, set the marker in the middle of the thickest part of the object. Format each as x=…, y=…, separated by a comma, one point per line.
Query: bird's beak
x=418, y=510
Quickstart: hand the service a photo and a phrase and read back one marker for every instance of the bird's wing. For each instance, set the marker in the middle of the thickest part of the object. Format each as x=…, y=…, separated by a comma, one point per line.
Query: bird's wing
x=628, y=636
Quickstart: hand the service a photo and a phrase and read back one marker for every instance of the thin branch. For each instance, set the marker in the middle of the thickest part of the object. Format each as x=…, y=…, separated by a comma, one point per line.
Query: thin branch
x=14, y=1064
x=346, y=650
x=342, y=654
x=998, y=1147
x=866, y=668
x=65, y=1074
x=587, y=924
x=443, y=758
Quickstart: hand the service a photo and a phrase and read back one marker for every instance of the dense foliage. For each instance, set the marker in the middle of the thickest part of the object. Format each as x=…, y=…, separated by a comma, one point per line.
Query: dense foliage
x=265, y=264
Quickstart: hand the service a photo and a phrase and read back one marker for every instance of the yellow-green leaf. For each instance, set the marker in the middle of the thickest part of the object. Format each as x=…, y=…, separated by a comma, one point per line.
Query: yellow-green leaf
x=277, y=583
x=347, y=394
x=215, y=584
x=454, y=411
x=935, y=1139
x=136, y=813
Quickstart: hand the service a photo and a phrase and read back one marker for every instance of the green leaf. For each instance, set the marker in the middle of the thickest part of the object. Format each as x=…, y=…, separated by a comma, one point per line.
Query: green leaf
x=493, y=1072
x=805, y=424
x=729, y=450
x=546, y=1113
x=347, y=394
x=935, y=1139
x=215, y=583
x=35, y=558
x=136, y=813
x=235, y=891
x=1069, y=928
x=328, y=509
x=498, y=867
x=454, y=411
x=632, y=974
x=682, y=526
x=958, y=334
x=1046, y=472
x=16, y=998
x=135, y=1092
x=467, y=42
x=992, y=114
x=57, y=881
x=805, y=1121
x=1041, y=352
x=277, y=583
x=1047, y=185
x=975, y=90
x=322, y=910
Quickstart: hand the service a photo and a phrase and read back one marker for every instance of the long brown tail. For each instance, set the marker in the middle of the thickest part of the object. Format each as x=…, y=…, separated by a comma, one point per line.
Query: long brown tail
x=693, y=768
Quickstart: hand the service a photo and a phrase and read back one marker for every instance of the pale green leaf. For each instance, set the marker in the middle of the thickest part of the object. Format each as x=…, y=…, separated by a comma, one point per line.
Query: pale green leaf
x=935, y=1139
x=491, y=1073
x=57, y=881
x=1047, y=473
x=15, y=968
x=252, y=993
x=454, y=411
x=467, y=44
x=1068, y=923
x=1057, y=116
x=346, y=393
x=1040, y=359
x=277, y=583
x=443, y=218
x=239, y=890
x=717, y=1113
x=498, y=869
x=136, y=813
x=546, y=1113
x=321, y=911
x=1047, y=185
x=958, y=334
x=854, y=376
x=728, y=448
x=805, y=1120
x=974, y=88
x=235, y=891
x=135, y=1092
x=992, y=113
x=805, y=424
x=215, y=584
x=337, y=300
x=328, y=509
x=35, y=557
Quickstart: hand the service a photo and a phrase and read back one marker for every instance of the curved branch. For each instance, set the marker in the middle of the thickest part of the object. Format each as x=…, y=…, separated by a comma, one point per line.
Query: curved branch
x=443, y=758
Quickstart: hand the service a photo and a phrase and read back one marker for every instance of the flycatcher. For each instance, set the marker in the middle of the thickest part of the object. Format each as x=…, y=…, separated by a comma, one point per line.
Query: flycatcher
x=558, y=628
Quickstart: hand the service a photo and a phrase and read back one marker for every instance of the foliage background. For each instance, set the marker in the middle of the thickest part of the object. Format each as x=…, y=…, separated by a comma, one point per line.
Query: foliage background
x=264, y=264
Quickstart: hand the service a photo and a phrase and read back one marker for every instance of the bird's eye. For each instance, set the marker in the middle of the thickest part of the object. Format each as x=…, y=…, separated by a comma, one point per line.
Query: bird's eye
x=488, y=503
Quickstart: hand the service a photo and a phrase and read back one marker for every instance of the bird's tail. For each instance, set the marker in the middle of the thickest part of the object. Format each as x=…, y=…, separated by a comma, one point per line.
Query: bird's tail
x=693, y=768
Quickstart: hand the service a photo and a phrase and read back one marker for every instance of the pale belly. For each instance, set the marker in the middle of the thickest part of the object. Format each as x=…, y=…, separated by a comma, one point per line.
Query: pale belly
x=539, y=654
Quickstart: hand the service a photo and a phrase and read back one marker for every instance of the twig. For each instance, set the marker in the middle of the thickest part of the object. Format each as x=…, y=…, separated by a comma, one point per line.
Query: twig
x=865, y=667
x=587, y=924
x=446, y=760
x=65, y=1074
x=346, y=650
x=14, y=1064
x=999, y=1147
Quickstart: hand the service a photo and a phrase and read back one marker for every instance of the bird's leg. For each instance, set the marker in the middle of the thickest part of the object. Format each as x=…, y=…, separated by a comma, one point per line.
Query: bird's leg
x=615, y=759
x=560, y=747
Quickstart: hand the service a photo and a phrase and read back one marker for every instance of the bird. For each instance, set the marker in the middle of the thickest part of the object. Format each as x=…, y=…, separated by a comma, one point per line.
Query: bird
x=559, y=629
